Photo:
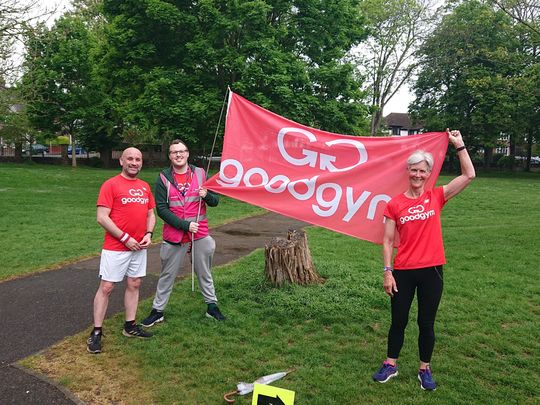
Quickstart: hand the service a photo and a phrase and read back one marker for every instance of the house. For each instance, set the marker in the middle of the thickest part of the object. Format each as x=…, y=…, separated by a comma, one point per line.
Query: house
x=401, y=124
x=503, y=145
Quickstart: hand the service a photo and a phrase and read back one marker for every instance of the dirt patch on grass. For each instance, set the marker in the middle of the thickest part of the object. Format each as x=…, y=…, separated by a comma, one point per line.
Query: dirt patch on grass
x=103, y=379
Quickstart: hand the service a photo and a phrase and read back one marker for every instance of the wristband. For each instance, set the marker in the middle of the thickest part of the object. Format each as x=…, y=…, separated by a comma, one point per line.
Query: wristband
x=388, y=268
x=460, y=148
x=149, y=232
x=124, y=237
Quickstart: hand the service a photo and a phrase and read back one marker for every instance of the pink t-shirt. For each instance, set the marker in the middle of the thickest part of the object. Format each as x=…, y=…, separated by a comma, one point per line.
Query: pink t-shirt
x=418, y=224
x=129, y=201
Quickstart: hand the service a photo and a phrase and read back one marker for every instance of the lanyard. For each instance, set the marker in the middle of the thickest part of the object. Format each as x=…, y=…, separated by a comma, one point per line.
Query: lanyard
x=182, y=188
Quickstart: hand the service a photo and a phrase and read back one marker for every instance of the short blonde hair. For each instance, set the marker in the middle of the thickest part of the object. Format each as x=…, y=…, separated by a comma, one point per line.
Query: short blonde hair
x=420, y=156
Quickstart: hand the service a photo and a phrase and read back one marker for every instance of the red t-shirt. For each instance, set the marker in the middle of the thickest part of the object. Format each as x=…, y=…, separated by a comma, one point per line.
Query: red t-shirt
x=182, y=181
x=418, y=224
x=129, y=201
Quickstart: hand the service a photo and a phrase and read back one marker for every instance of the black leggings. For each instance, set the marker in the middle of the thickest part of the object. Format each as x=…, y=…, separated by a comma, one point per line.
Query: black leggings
x=429, y=284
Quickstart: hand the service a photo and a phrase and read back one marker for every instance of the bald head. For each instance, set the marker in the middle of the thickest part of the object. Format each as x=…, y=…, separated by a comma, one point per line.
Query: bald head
x=131, y=162
x=131, y=150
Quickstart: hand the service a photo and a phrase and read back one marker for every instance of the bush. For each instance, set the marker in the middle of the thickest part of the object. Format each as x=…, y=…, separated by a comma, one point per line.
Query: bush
x=506, y=162
x=94, y=161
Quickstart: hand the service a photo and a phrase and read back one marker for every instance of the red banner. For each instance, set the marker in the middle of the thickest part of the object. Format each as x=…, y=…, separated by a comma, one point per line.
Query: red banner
x=335, y=181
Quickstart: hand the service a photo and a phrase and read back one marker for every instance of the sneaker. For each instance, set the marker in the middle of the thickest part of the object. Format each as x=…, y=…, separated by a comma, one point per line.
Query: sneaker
x=154, y=317
x=426, y=380
x=386, y=372
x=136, y=331
x=93, y=344
x=214, y=313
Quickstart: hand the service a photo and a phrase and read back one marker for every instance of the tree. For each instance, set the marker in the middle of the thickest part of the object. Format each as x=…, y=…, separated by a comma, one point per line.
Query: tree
x=463, y=80
x=16, y=17
x=526, y=114
x=167, y=65
x=387, y=58
x=60, y=91
x=14, y=125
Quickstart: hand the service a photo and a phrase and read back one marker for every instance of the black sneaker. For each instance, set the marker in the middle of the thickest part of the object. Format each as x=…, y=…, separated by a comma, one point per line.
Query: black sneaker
x=214, y=313
x=93, y=344
x=154, y=317
x=136, y=331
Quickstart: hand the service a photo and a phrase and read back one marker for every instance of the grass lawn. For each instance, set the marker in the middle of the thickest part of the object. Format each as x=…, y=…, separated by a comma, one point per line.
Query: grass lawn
x=49, y=215
x=334, y=334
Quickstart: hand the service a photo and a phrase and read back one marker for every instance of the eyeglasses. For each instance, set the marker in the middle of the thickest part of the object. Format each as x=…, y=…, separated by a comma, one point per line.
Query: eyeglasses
x=179, y=152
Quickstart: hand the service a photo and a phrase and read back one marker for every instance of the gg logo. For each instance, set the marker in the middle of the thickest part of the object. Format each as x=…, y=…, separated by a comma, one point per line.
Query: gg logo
x=310, y=157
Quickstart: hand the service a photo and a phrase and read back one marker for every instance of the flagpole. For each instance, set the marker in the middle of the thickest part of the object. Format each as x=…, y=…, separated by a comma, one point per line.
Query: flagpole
x=227, y=94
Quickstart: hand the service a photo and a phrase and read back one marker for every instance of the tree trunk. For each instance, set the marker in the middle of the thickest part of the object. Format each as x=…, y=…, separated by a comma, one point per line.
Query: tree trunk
x=529, y=151
x=64, y=154
x=488, y=156
x=73, y=152
x=18, y=152
x=105, y=155
x=376, y=120
x=289, y=260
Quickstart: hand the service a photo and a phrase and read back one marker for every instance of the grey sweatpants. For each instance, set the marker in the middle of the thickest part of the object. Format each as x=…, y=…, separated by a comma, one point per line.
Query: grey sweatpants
x=172, y=259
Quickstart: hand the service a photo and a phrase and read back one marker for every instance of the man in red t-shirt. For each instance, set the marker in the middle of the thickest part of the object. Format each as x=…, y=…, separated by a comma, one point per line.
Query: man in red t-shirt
x=125, y=209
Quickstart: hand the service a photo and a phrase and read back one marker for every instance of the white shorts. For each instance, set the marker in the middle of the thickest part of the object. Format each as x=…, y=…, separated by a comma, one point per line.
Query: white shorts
x=114, y=265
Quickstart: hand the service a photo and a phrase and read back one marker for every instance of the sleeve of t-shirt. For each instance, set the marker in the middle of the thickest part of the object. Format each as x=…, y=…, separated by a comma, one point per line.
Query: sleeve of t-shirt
x=389, y=211
x=105, y=197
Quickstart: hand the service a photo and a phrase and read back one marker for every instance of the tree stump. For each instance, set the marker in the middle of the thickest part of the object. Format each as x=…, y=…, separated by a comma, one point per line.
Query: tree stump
x=289, y=260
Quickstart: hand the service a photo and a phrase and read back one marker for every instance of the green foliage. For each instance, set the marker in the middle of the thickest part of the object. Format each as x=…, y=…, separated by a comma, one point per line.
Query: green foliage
x=60, y=140
x=506, y=162
x=62, y=92
x=14, y=125
x=148, y=71
x=479, y=73
x=461, y=60
x=168, y=65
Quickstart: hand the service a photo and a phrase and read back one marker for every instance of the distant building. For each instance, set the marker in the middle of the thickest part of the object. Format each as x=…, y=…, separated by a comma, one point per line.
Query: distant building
x=503, y=145
x=400, y=124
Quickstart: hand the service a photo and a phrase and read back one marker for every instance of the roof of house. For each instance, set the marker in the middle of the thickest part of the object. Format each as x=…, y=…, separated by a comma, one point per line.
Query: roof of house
x=402, y=120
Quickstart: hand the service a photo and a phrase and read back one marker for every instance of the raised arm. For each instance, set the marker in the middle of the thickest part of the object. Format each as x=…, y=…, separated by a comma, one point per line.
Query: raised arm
x=468, y=173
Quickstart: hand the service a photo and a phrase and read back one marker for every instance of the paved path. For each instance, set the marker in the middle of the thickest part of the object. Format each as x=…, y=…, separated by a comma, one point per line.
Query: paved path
x=40, y=310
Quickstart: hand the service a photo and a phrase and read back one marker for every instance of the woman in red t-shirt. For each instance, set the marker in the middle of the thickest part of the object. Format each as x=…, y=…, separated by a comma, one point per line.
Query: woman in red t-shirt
x=414, y=217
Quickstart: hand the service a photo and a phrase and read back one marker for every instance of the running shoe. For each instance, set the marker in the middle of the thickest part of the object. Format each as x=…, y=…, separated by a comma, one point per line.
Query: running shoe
x=136, y=331
x=214, y=313
x=93, y=344
x=426, y=380
x=386, y=372
x=154, y=317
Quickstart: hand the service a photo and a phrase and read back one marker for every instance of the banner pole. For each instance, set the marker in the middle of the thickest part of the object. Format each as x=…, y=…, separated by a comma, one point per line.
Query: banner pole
x=200, y=199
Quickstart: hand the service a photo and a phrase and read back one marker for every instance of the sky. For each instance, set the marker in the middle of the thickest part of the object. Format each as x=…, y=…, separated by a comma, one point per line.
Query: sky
x=399, y=103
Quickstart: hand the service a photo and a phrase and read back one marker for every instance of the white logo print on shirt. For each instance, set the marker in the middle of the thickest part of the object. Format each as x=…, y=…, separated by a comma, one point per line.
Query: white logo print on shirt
x=417, y=213
x=137, y=196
